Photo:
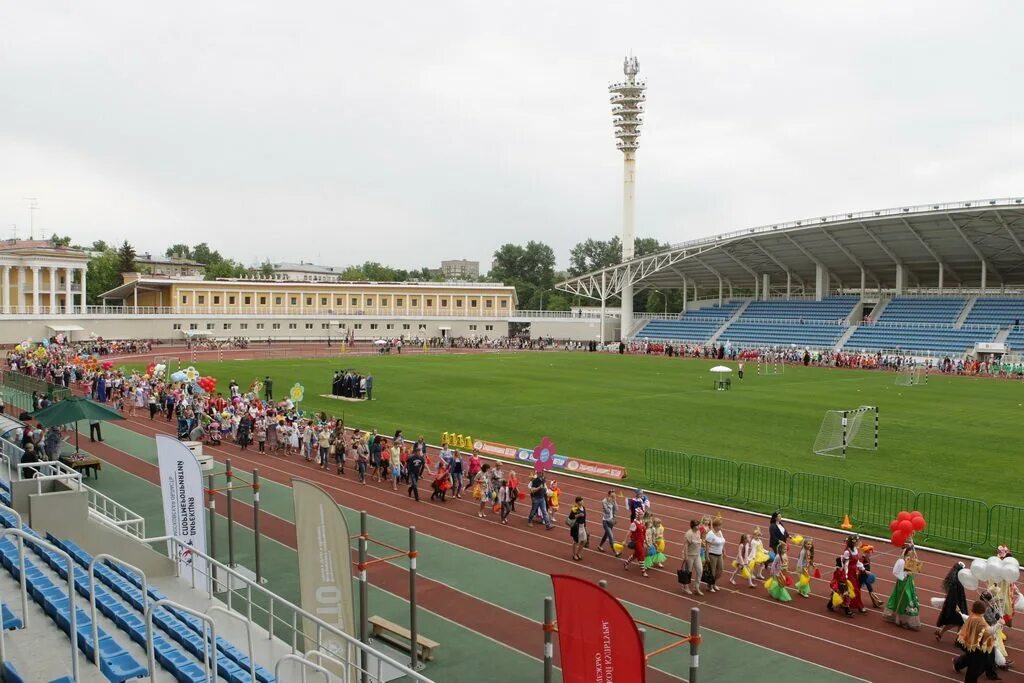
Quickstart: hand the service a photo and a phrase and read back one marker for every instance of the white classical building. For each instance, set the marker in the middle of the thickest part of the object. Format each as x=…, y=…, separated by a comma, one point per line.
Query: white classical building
x=42, y=279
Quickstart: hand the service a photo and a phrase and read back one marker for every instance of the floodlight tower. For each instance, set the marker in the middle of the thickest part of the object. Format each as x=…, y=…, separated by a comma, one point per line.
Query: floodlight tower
x=628, y=99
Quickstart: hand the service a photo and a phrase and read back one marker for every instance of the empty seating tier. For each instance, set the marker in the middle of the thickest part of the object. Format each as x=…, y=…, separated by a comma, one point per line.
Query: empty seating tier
x=832, y=308
x=921, y=309
x=938, y=339
x=996, y=311
x=694, y=326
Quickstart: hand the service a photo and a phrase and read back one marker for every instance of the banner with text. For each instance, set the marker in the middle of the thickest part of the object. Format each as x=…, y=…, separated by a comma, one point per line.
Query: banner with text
x=181, y=483
x=597, y=638
x=325, y=571
x=558, y=462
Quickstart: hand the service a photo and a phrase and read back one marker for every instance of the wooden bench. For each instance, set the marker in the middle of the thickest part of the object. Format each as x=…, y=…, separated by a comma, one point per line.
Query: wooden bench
x=400, y=636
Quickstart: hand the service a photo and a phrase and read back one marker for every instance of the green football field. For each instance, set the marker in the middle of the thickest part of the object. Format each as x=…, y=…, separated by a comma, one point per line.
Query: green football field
x=954, y=435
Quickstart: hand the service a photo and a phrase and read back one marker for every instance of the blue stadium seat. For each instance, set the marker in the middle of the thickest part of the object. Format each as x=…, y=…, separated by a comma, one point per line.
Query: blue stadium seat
x=923, y=309
x=695, y=326
x=10, y=621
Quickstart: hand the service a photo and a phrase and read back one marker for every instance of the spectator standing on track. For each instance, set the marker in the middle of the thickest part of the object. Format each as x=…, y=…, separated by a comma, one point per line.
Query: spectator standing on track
x=692, y=544
x=776, y=532
x=505, y=500
x=244, y=429
x=362, y=458
x=474, y=466
x=715, y=541
x=538, y=500
x=577, y=521
x=513, y=488
x=415, y=465
x=457, y=474
x=368, y=383
x=268, y=389
x=375, y=449
x=480, y=490
x=609, y=510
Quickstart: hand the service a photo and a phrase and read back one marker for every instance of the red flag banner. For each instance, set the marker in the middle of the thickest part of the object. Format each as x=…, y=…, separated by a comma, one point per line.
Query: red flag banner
x=597, y=639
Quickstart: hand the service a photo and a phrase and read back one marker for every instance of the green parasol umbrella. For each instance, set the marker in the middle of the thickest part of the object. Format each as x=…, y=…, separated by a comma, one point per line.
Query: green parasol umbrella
x=73, y=409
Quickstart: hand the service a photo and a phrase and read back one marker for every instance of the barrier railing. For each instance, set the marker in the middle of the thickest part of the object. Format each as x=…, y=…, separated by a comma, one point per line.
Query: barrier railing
x=953, y=522
x=29, y=384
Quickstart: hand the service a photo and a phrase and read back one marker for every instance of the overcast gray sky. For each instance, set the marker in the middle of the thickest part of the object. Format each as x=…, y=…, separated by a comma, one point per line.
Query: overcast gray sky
x=408, y=132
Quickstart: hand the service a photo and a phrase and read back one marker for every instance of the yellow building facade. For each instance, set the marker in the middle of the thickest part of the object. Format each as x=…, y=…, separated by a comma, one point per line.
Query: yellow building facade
x=260, y=297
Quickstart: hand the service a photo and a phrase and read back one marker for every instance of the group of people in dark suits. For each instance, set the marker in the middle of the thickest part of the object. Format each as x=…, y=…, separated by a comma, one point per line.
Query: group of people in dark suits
x=350, y=384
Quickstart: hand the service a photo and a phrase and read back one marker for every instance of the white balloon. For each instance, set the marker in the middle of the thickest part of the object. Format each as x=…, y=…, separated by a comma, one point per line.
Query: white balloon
x=979, y=568
x=1012, y=561
x=968, y=580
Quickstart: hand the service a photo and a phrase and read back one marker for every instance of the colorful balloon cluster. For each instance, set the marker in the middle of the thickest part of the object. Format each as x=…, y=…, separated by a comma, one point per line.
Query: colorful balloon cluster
x=993, y=570
x=207, y=384
x=904, y=526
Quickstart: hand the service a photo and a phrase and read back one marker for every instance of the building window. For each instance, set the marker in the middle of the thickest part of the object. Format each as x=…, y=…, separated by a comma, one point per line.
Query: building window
x=358, y=326
x=227, y=326
x=373, y=326
x=338, y=301
x=231, y=301
x=488, y=327
x=472, y=328
x=414, y=302
x=294, y=301
x=292, y=326
x=202, y=299
x=309, y=301
x=309, y=326
x=473, y=303
x=277, y=301
x=243, y=326
x=259, y=326
x=405, y=326
x=444, y=303
x=398, y=301
x=504, y=303
x=489, y=303
x=423, y=326
x=342, y=326
x=216, y=299
x=430, y=303
x=177, y=326
x=193, y=326
x=263, y=301
x=247, y=300
x=383, y=301
x=355, y=301
x=184, y=298
x=275, y=326
x=390, y=326
x=325, y=326
x=209, y=326
x=323, y=301
x=369, y=301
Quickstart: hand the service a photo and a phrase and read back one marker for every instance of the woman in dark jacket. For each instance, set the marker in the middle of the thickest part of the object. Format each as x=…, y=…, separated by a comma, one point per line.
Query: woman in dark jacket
x=776, y=532
x=955, y=603
x=244, y=431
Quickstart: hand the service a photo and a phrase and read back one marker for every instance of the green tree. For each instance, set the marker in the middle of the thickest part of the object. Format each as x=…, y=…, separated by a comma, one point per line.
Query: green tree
x=59, y=241
x=267, y=268
x=225, y=268
x=530, y=269
x=99, y=245
x=104, y=273
x=203, y=254
x=126, y=258
x=178, y=251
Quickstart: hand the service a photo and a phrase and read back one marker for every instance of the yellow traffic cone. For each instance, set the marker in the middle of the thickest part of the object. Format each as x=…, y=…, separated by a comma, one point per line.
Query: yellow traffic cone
x=846, y=523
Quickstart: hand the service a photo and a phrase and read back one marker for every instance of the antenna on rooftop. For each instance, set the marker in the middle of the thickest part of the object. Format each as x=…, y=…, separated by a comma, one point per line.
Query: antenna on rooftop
x=33, y=206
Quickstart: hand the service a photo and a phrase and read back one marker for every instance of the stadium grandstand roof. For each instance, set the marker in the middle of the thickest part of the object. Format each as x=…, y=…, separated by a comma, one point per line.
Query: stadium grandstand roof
x=969, y=241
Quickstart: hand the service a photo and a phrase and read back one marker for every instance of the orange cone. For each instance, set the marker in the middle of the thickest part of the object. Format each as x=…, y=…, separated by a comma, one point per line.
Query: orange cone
x=846, y=523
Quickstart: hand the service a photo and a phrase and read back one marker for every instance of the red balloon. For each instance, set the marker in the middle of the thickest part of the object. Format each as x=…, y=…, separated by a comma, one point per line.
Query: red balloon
x=898, y=539
x=915, y=513
x=903, y=516
x=906, y=526
x=894, y=525
x=919, y=523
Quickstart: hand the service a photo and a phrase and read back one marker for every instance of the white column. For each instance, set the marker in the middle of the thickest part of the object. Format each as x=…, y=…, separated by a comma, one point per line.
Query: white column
x=53, y=290
x=720, y=302
x=685, y=295
x=864, y=284
x=941, y=273
x=22, y=279
x=84, y=294
x=789, y=285
x=765, y=280
x=602, y=306
x=984, y=276
x=35, y=290
x=628, y=237
x=7, y=289
x=901, y=278
x=68, y=276
x=821, y=282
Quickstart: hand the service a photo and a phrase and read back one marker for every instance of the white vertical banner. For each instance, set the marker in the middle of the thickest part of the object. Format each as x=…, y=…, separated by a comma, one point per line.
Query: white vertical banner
x=181, y=483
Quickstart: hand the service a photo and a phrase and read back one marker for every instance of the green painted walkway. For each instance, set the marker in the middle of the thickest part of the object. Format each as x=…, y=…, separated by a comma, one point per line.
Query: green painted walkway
x=515, y=588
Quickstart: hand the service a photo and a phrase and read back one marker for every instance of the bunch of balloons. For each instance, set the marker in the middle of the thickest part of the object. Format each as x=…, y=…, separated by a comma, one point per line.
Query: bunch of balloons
x=904, y=526
x=993, y=570
x=207, y=384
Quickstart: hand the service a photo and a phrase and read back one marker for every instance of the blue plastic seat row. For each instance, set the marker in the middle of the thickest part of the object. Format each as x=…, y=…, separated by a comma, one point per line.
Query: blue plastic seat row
x=931, y=339
x=188, y=631
x=11, y=621
x=116, y=664
x=923, y=309
x=996, y=311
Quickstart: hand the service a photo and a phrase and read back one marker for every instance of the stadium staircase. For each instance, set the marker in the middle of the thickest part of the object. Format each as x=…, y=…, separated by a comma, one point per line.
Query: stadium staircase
x=696, y=326
x=736, y=316
x=922, y=325
x=966, y=312
x=803, y=323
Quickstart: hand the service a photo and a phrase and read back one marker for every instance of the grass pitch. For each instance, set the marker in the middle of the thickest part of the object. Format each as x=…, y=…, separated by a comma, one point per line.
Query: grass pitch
x=955, y=435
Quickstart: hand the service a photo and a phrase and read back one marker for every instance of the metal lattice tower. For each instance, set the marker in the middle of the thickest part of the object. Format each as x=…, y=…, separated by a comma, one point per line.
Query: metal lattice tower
x=628, y=98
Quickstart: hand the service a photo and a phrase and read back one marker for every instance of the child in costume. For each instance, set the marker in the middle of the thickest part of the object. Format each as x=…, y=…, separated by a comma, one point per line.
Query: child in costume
x=805, y=565
x=744, y=561
x=554, y=492
x=760, y=555
x=842, y=589
x=954, y=604
x=637, y=544
x=903, y=608
x=854, y=567
x=776, y=583
x=867, y=577
x=655, y=542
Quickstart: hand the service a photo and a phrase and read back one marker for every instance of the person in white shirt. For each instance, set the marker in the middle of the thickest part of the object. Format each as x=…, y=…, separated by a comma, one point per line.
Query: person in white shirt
x=715, y=540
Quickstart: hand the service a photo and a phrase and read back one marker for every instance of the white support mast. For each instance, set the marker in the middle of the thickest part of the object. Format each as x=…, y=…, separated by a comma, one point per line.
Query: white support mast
x=628, y=100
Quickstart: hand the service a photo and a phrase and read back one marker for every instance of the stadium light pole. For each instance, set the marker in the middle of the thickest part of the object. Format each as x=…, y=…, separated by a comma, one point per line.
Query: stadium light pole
x=628, y=99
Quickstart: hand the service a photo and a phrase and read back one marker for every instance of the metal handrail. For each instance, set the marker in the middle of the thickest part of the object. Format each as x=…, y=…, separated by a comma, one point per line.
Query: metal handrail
x=39, y=467
x=305, y=664
x=207, y=655
x=21, y=565
x=114, y=514
x=248, y=636
x=250, y=587
x=323, y=656
x=72, y=607
x=92, y=594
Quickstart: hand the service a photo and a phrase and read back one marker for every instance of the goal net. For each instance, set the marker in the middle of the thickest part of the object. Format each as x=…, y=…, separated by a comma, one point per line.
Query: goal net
x=770, y=367
x=844, y=429
x=911, y=376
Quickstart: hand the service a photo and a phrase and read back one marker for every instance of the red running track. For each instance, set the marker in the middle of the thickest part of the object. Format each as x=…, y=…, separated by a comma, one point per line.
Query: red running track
x=864, y=646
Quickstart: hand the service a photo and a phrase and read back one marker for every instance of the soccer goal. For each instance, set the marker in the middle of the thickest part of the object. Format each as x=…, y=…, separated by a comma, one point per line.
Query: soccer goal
x=770, y=367
x=844, y=429
x=911, y=376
